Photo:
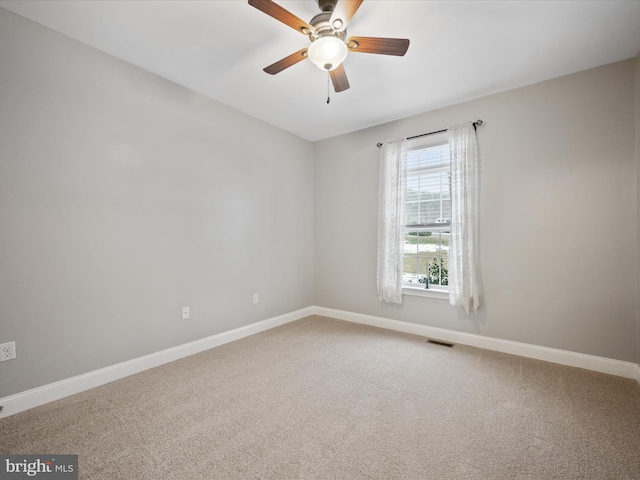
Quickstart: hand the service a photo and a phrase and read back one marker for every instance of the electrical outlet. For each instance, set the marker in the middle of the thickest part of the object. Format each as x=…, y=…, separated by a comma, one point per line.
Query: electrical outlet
x=185, y=313
x=7, y=351
x=256, y=298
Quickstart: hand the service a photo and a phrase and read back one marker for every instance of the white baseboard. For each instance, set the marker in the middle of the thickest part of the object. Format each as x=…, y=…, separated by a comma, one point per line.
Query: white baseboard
x=590, y=362
x=54, y=391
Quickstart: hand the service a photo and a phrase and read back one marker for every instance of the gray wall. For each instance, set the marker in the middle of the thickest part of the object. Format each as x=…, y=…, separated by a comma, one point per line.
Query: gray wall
x=124, y=197
x=558, y=249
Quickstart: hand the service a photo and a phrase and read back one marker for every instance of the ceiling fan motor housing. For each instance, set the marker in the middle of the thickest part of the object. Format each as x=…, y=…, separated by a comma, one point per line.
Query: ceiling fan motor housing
x=321, y=24
x=327, y=5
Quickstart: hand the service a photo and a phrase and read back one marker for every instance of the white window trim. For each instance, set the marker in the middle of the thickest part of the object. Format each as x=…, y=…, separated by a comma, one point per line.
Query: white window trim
x=434, y=291
x=425, y=292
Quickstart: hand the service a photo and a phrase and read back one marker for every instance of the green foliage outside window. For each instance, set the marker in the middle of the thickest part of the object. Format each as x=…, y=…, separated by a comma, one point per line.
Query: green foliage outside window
x=437, y=272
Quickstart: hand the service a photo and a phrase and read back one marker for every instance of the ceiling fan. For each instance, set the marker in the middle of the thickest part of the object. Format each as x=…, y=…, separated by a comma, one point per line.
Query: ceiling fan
x=329, y=42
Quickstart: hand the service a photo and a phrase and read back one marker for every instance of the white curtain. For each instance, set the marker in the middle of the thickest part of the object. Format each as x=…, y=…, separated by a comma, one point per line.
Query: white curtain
x=463, y=244
x=391, y=220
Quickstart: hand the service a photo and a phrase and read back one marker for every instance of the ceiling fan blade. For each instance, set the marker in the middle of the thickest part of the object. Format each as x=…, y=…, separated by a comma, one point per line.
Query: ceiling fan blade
x=343, y=13
x=339, y=79
x=285, y=16
x=286, y=62
x=384, y=46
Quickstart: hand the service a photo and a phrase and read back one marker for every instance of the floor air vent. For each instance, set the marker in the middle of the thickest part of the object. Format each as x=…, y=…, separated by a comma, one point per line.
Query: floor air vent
x=438, y=342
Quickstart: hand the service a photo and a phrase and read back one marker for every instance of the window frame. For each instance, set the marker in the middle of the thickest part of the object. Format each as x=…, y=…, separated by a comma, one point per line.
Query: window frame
x=434, y=291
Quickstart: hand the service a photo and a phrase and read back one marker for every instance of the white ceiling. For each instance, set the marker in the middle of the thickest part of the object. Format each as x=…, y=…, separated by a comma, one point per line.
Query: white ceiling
x=459, y=50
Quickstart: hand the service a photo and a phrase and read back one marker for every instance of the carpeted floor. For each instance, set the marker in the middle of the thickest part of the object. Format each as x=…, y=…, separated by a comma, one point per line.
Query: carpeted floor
x=325, y=399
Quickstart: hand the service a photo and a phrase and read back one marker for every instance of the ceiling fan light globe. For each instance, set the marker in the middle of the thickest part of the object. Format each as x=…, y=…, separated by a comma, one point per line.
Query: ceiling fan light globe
x=327, y=53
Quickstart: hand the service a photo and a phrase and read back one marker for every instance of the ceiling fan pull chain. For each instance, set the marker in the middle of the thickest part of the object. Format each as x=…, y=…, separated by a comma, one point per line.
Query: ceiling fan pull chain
x=328, y=91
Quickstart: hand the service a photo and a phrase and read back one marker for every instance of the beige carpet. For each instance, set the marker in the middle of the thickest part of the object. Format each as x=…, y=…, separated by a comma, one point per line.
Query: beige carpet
x=325, y=399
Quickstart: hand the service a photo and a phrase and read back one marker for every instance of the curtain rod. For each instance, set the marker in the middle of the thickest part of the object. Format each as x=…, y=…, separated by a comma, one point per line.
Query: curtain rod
x=475, y=124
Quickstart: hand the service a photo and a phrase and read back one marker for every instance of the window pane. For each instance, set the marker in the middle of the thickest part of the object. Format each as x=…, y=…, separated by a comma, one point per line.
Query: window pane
x=426, y=257
x=428, y=198
x=428, y=185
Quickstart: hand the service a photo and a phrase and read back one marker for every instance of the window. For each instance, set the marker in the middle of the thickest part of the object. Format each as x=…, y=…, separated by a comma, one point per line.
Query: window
x=428, y=218
x=427, y=215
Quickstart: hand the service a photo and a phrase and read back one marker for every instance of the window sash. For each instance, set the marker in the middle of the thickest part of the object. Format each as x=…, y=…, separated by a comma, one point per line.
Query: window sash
x=426, y=261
